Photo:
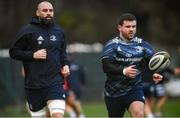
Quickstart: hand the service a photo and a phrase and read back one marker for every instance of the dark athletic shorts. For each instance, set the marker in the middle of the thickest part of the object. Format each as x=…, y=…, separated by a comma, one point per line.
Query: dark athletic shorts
x=116, y=106
x=37, y=98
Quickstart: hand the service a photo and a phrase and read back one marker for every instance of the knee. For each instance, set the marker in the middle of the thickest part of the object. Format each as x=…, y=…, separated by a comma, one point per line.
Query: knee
x=40, y=114
x=57, y=115
x=137, y=109
x=138, y=114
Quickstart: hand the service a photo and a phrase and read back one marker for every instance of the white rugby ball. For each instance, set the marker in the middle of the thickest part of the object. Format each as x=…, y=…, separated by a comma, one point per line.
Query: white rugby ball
x=159, y=61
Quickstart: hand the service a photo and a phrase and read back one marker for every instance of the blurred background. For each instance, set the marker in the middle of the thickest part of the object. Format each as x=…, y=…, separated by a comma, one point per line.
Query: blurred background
x=88, y=24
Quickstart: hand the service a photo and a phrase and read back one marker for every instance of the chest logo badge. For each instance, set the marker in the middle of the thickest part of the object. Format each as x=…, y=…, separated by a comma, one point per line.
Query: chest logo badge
x=40, y=40
x=53, y=38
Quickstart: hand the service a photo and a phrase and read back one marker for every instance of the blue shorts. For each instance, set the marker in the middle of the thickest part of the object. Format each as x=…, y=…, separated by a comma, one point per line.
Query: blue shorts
x=160, y=90
x=116, y=106
x=37, y=98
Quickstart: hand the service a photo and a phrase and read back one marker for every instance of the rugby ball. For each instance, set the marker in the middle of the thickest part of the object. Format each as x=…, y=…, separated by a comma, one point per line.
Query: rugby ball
x=159, y=61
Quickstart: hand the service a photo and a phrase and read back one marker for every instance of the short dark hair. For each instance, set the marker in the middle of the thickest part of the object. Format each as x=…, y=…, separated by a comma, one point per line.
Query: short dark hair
x=126, y=16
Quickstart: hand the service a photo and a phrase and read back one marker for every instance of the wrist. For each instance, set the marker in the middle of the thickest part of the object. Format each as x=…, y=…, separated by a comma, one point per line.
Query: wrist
x=124, y=71
x=34, y=55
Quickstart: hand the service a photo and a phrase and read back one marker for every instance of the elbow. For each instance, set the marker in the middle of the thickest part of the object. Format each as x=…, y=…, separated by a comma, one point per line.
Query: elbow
x=105, y=68
x=11, y=53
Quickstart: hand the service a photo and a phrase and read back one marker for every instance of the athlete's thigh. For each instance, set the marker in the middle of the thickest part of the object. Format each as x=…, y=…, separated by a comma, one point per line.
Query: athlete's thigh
x=56, y=99
x=136, y=109
x=137, y=94
x=70, y=98
x=135, y=101
x=56, y=106
x=115, y=106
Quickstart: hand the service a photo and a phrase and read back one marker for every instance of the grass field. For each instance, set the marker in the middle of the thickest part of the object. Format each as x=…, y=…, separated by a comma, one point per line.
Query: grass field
x=171, y=109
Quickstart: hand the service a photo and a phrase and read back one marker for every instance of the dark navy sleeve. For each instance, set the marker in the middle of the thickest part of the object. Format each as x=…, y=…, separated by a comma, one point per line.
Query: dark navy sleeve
x=109, y=64
x=64, y=55
x=18, y=50
x=111, y=67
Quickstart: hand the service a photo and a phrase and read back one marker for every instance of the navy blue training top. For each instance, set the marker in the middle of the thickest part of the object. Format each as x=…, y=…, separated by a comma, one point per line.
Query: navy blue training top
x=121, y=54
x=35, y=36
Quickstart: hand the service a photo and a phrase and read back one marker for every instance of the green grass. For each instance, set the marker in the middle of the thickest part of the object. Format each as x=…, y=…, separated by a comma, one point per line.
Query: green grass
x=95, y=110
x=13, y=111
x=171, y=109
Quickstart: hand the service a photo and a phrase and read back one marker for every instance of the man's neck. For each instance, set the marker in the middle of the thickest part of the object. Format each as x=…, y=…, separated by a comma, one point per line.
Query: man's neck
x=123, y=38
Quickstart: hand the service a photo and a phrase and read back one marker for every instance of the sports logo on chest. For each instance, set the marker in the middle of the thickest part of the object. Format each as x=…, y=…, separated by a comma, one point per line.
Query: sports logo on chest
x=138, y=49
x=52, y=38
x=40, y=39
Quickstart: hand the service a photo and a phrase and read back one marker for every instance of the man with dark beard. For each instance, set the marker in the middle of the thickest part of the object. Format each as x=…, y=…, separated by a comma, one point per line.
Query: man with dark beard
x=41, y=46
x=121, y=62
